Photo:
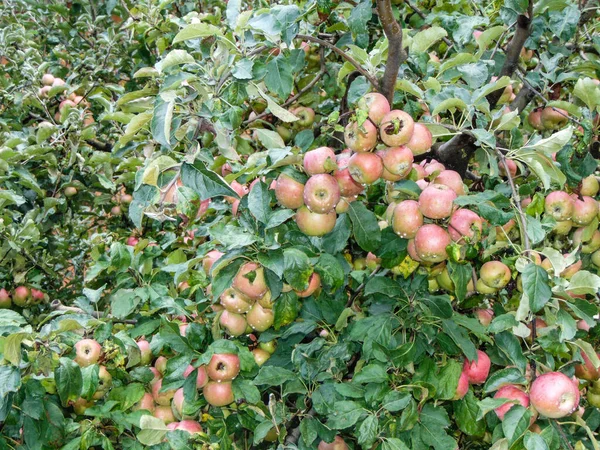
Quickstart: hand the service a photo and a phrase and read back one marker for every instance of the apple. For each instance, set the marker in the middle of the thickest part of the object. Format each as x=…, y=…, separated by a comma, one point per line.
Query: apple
x=132, y=241
x=365, y=168
x=535, y=119
x=126, y=199
x=421, y=140
x=554, y=395
x=319, y=160
x=478, y=371
x=337, y=444
x=177, y=404
x=145, y=351
x=218, y=394
x=583, y=325
x=396, y=128
x=146, y=402
x=512, y=168
x=87, y=352
x=559, y=205
x=463, y=386
x=164, y=413
x=285, y=133
x=563, y=228
x=289, y=192
x=360, y=138
x=418, y=172
x=465, y=226
x=376, y=105
x=571, y=270
x=587, y=371
x=260, y=356
x=484, y=289
x=235, y=301
x=37, y=296
x=235, y=324
x=398, y=160
x=589, y=186
x=315, y=224
x=554, y=118
x=314, y=283
x=437, y=201
x=183, y=329
x=495, y=274
x=305, y=115
x=589, y=246
x=80, y=405
x=104, y=383
x=321, y=193
x=5, y=300
x=58, y=82
x=348, y=187
x=202, y=377
x=47, y=79
x=250, y=280
x=259, y=318
x=406, y=219
x=412, y=251
x=191, y=426
x=21, y=296
x=430, y=243
x=510, y=392
x=115, y=210
x=210, y=258
x=596, y=258
x=485, y=316
x=223, y=367
x=585, y=209
x=344, y=204
x=451, y=179
x=161, y=398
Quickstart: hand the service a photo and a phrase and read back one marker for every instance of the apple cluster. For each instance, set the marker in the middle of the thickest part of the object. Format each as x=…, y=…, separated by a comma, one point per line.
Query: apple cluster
x=548, y=118
x=69, y=101
x=22, y=296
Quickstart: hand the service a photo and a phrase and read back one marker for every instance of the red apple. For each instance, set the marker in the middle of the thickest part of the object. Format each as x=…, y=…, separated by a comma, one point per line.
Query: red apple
x=132, y=241
x=146, y=402
x=210, y=258
x=146, y=352
x=430, y=243
x=451, y=179
x=465, y=226
x=315, y=224
x=421, y=140
x=407, y=219
x=320, y=160
x=5, y=300
x=376, y=105
x=535, y=119
x=337, y=444
x=289, y=192
x=585, y=209
x=161, y=398
x=587, y=371
x=495, y=274
x=21, y=296
x=164, y=413
x=87, y=352
x=218, y=394
x=223, y=367
x=321, y=193
x=191, y=426
x=478, y=371
x=463, y=386
x=437, y=201
x=554, y=395
x=398, y=160
x=396, y=128
x=485, y=316
x=250, y=280
x=202, y=377
x=365, y=168
x=314, y=283
x=360, y=138
x=510, y=392
x=554, y=118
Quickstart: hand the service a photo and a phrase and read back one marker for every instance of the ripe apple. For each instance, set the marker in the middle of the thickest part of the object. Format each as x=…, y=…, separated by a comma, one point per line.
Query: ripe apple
x=437, y=201
x=434, y=168
x=348, y=187
x=365, y=168
x=191, y=426
x=535, y=119
x=463, y=386
x=589, y=186
x=430, y=243
x=218, y=394
x=161, y=398
x=321, y=193
x=465, y=226
x=178, y=403
x=554, y=118
x=87, y=352
x=485, y=316
x=512, y=168
x=5, y=300
x=202, y=377
x=164, y=413
x=250, y=280
x=259, y=318
x=571, y=270
x=587, y=371
x=407, y=219
x=421, y=140
x=58, y=82
x=478, y=371
x=589, y=246
x=319, y=160
x=495, y=274
x=289, y=192
x=146, y=352
x=210, y=258
x=554, y=395
x=585, y=209
x=223, y=367
x=235, y=324
x=376, y=105
x=337, y=444
x=260, y=356
x=360, y=138
x=132, y=241
x=314, y=283
x=398, y=160
x=344, y=205
x=47, y=79
x=396, y=128
x=451, y=179
x=315, y=224
x=37, y=296
x=146, y=402
x=510, y=392
x=235, y=301
x=559, y=205
x=21, y=296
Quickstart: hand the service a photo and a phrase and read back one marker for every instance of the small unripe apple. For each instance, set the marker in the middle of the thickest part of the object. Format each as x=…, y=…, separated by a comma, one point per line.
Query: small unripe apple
x=80, y=405
x=396, y=128
x=554, y=118
x=495, y=274
x=260, y=356
x=589, y=186
x=87, y=352
x=306, y=116
x=360, y=138
x=510, y=392
x=104, y=383
x=430, y=243
x=376, y=105
x=478, y=371
x=235, y=324
x=259, y=318
x=270, y=346
x=315, y=224
x=47, y=79
x=218, y=394
x=70, y=191
x=223, y=367
x=554, y=395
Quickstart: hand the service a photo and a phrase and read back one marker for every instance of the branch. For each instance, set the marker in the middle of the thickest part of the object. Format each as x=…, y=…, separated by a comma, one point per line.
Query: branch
x=294, y=435
x=342, y=54
x=102, y=146
x=455, y=153
x=396, y=54
x=522, y=99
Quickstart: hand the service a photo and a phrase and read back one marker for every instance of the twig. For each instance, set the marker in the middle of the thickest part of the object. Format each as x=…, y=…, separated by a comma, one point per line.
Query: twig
x=396, y=53
x=562, y=433
x=360, y=288
x=342, y=54
x=102, y=146
x=294, y=435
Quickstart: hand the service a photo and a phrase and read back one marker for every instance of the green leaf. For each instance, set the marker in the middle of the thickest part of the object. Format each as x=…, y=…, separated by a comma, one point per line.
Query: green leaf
x=153, y=430
x=10, y=380
x=359, y=17
x=344, y=415
x=434, y=419
x=204, y=181
x=286, y=309
x=259, y=202
x=516, y=422
x=489, y=404
x=246, y=390
x=273, y=376
x=69, y=380
x=588, y=92
x=297, y=268
x=279, y=77
x=123, y=302
x=367, y=431
x=331, y=271
x=461, y=275
x=161, y=122
x=12, y=347
x=393, y=444
x=120, y=258
x=174, y=58
x=243, y=69
x=382, y=285
x=270, y=139
x=510, y=375
x=466, y=411
x=584, y=282
x=536, y=286
x=195, y=31
x=276, y=110
x=396, y=401
x=448, y=380
x=439, y=305
x=534, y=441
x=460, y=338
x=365, y=227
x=426, y=38
x=371, y=373
x=510, y=347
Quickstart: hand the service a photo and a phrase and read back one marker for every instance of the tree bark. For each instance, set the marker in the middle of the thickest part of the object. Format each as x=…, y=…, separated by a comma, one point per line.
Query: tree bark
x=396, y=54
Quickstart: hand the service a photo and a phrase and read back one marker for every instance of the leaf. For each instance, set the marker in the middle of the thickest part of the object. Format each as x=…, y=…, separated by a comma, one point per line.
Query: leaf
x=153, y=430
x=489, y=404
x=273, y=376
x=509, y=346
x=371, y=373
x=10, y=380
x=344, y=415
x=588, y=92
x=553, y=143
x=69, y=380
x=433, y=421
x=195, y=31
x=259, y=201
x=297, y=268
x=359, y=17
x=286, y=309
x=367, y=431
x=382, y=285
x=174, y=58
x=449, y=104
x=466, y=411
x=245, y=390
x=461, y=275
x=365, y=227
x=439, y=305
x=542, y=165
x=161, y=122
x=205, y=182
x=242, y=70
x=279, y=77
x=516, y=422
x=509, y=375
x=408, y=86
x=584, y=282
x=460, y=338
x=12, y=347
x=123, y=302
x=270, y=139
x=426, y=38
x=536, y=286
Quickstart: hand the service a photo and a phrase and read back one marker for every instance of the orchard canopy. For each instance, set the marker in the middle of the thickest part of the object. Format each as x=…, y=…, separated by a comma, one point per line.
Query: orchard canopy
x=315, y=224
